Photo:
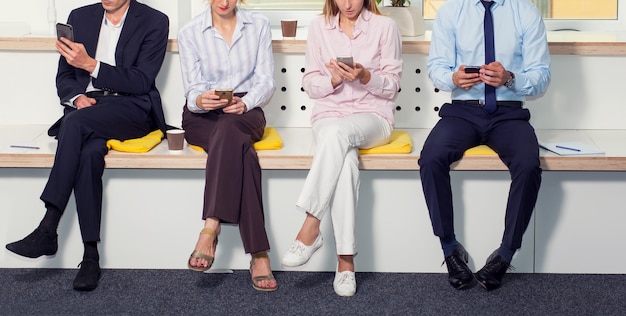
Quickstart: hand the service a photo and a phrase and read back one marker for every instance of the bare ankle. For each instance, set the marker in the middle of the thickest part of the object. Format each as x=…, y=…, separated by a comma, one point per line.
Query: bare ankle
x=212, y=223
x=260, y=260
x=309, y=231
x=260, y=255
x=345, y=263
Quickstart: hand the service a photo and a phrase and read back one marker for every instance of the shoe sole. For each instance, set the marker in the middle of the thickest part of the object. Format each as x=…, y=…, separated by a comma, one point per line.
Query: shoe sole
x=463, y=286
x=85, y=288
x=345, y=294
x=264, y=289
x=471, y=283
x=32, y=256
x=488, y=288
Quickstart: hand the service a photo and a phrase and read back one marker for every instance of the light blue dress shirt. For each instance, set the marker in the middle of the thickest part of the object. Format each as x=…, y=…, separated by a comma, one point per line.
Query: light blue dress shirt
x=209, y=63
x=520, y=43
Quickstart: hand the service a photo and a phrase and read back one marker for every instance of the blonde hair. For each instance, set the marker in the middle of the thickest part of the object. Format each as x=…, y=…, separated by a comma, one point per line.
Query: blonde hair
x=331, y=9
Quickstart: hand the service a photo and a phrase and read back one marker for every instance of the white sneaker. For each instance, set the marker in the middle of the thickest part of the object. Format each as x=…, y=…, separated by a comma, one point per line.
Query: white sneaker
x=345, y=283
x=299, y=253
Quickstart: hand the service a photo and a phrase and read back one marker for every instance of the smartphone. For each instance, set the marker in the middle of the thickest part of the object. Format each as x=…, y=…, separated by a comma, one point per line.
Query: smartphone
x=65, y=30
x=225, y=94
x=346, y=60
x=472, y=69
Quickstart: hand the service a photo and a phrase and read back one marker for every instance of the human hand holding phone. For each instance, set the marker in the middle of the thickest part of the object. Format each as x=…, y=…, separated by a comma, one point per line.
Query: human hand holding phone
x=75, y=53
x=472, y=69
x=348, y=61
x=225, y=94
x=211, y=100
x=237, y=106
x=466, y=77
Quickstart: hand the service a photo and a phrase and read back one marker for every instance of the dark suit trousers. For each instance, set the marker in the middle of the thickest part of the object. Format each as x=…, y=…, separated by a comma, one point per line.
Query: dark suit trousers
x=232, y=191
x=508, y=132
x=79, y=160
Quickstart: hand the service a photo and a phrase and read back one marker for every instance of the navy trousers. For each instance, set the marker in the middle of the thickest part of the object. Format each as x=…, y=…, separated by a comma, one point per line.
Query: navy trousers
x=507, y=132
x=79, y=160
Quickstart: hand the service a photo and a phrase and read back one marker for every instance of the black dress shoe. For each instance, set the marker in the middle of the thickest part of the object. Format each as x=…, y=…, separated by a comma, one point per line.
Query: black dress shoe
x=88, y=275
x=490, y=276
x=459, y=274
x=36, y=244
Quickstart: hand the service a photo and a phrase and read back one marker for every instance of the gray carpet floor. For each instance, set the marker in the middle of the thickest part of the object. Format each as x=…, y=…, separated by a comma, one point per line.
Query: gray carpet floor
x=182, y=292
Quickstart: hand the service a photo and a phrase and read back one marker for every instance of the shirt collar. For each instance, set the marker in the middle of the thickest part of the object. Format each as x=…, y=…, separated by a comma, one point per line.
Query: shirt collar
x=359, y=26
x=106, y=21
x=243, y=17
x=498, y=2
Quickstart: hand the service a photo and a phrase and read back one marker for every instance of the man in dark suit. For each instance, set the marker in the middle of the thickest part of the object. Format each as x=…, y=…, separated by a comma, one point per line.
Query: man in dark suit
x=106, y=82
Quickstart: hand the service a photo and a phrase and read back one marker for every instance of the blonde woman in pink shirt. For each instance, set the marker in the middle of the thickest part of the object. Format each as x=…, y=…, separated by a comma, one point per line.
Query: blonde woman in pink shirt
x=354, y=106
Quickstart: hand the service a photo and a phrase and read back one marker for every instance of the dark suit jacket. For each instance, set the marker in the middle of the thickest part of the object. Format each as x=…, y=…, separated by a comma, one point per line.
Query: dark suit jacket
x=138, y=56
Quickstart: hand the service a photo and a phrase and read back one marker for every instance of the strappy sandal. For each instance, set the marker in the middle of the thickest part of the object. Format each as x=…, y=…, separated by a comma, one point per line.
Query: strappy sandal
x=198, y=255
x=257, y=279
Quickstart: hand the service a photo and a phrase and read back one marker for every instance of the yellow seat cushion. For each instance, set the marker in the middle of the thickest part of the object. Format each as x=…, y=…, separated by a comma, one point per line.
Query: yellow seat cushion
x=399, y=143
x=480, y=150
x=271, y=140
x=137, y=145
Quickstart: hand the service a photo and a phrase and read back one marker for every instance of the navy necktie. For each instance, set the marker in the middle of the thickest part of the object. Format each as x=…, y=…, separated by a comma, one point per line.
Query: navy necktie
x=490, y=56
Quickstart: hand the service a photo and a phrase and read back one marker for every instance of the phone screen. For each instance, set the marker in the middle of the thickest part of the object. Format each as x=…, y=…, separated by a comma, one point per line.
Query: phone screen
x=65, y=30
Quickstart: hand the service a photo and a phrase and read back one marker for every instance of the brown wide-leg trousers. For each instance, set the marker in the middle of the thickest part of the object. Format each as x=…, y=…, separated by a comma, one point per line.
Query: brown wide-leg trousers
x=232, y=191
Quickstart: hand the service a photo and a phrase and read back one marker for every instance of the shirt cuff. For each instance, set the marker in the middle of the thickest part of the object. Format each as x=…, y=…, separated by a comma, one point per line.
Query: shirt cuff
x=450, y=81
x=191, y=105
x=70, y=103
x=245, y=100
x=375, y=81
x=95, y=72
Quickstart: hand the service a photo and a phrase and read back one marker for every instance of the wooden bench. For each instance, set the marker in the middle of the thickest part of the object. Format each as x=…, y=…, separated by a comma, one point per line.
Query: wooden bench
x=297, y=153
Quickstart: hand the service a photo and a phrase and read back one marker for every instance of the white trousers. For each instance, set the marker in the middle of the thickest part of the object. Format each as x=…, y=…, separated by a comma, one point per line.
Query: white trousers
x=333, y=180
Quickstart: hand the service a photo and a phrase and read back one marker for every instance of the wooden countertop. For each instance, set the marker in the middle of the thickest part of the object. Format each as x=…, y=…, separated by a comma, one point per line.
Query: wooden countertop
x=560, y=43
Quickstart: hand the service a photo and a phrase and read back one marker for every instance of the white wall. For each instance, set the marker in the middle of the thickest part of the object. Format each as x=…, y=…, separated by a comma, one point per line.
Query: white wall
x=34, y=13
x=585, y=92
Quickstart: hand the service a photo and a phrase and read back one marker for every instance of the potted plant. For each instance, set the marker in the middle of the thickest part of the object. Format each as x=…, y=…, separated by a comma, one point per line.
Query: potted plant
x=409, y=19
x=396, y=3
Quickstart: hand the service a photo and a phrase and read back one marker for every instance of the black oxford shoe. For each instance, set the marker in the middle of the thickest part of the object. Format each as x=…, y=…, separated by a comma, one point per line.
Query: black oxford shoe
x=88, y=275
x=36, y=244
x=490, y=276
x=459, y=274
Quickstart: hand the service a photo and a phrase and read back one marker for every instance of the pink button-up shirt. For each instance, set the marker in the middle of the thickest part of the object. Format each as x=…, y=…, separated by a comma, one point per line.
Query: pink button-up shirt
x=377, y=45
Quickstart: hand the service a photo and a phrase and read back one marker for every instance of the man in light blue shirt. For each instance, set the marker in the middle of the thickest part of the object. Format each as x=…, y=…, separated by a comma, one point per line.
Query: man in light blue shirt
x=488, y=87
